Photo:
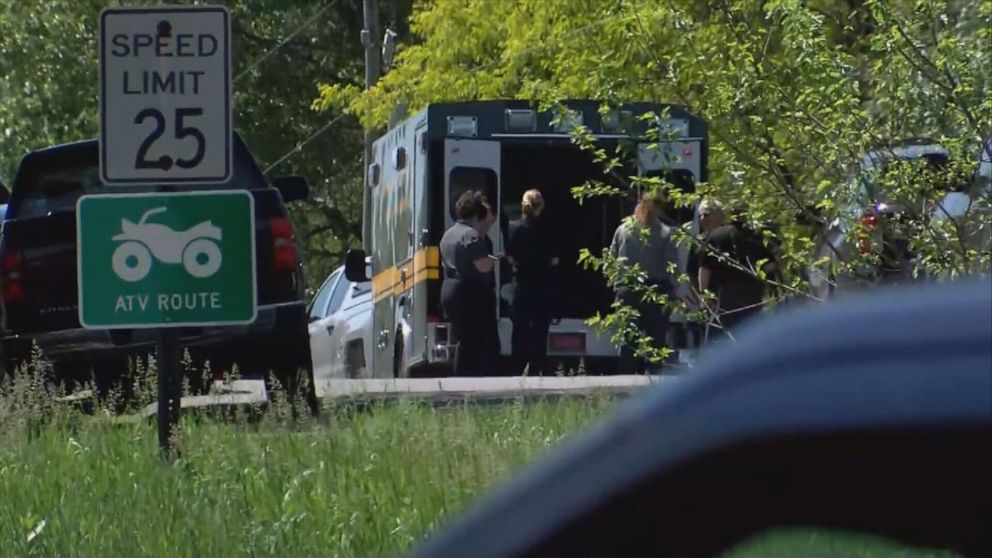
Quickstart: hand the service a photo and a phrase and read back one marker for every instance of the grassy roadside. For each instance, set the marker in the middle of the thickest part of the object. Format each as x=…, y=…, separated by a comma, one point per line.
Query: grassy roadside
x=364, y=484
x=360, y=483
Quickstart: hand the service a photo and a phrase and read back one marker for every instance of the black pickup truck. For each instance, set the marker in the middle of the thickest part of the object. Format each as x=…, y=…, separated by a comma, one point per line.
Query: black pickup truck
x=39, y=289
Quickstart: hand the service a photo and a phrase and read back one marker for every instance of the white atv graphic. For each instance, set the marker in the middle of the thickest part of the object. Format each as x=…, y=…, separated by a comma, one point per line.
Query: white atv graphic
x=196, y=248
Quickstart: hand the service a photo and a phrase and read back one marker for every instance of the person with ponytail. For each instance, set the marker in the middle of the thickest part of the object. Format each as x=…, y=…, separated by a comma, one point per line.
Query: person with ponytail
x=529, y=251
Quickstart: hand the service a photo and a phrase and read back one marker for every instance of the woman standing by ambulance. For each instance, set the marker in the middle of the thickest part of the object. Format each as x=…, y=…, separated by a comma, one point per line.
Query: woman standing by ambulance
x=529, y=250
x=468, y=293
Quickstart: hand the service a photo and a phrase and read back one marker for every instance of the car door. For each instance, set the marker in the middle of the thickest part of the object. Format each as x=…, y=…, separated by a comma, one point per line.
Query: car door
x=355, y=350
x=335, y=326
x=321, y=346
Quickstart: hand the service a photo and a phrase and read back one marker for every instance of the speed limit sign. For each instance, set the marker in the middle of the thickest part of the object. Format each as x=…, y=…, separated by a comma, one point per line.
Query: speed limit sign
x=165, y=95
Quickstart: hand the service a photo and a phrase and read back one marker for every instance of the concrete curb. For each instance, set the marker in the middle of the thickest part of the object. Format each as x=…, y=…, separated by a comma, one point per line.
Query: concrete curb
x=436, y=390
x=482, y=387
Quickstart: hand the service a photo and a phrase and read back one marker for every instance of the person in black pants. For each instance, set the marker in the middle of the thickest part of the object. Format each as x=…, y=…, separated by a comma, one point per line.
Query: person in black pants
x=468, y=292
x=530, y=253
x=728, y=267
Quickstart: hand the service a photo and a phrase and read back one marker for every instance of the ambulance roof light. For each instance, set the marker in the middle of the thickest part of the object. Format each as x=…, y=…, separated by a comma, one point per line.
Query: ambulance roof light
x=399, y=158
x=372, y=177
x=615, y=119
x=521, y=120
x=463, y=126
x=673, y=127
x=569, y=121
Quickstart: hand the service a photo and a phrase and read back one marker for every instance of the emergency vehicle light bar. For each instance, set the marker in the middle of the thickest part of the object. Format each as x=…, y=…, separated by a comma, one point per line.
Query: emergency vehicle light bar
x=372, y=178
x=614, y=119
x=569, y=121
x=463, y=126
x=521, y=120
x=677, y=127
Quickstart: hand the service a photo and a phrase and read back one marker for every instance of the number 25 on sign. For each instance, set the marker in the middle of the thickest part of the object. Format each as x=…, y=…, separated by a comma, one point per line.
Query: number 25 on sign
x=165, y=162
x=165, y=95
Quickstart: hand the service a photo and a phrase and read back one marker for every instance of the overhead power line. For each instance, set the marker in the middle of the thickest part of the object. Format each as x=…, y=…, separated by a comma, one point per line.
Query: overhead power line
x=299, y=147
x=288, y=38
x=265, y=56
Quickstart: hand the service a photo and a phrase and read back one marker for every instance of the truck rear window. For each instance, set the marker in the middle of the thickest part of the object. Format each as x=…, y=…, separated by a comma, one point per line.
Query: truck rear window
x=53, y=190
x=52, y=180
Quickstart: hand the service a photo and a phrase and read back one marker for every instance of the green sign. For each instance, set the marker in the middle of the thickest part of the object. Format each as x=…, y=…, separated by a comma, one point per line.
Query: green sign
x=157, y=260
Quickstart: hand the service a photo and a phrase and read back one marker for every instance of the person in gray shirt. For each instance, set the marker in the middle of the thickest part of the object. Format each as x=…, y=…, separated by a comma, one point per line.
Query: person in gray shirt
x=468, y=292
x=646, y=241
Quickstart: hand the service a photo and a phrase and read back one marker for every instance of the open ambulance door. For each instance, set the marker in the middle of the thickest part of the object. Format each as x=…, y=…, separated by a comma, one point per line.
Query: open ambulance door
x=474, y=165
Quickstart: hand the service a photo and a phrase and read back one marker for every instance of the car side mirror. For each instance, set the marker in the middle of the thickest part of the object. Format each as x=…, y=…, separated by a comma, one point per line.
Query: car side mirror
x=354, y=266
x=4, y=194
x=292, y=187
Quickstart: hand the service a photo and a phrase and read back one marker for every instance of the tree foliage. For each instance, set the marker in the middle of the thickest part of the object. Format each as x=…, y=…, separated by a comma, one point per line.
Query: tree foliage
x=281, y=51
x=795, y=93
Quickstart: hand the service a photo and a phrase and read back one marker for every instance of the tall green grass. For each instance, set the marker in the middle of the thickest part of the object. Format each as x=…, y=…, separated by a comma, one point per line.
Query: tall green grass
x=358, y=482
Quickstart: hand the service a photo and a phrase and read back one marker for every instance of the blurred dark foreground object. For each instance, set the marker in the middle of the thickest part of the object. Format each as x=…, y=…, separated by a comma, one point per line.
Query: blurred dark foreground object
x=816, y=419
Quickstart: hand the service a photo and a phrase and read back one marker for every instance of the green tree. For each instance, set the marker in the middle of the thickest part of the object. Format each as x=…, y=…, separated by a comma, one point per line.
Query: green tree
x=279, y=75
x=795, y=93
x=282, y=50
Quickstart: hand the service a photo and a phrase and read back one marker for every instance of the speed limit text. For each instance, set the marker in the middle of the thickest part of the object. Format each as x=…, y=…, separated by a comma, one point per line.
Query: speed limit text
x=175, y=82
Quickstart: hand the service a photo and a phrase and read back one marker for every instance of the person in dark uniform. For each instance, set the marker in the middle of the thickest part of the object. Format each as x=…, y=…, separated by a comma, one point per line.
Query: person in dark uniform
x=530, y=253
x=728, y=264
x=696, y=330
x=468, y=294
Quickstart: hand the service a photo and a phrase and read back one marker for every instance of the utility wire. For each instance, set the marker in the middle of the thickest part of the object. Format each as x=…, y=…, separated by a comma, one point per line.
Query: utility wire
x=299, y=147
x=288, y=38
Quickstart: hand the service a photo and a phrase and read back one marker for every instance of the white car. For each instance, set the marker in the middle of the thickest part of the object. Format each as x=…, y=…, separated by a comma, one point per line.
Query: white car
x=839, y=245
x=341, y=329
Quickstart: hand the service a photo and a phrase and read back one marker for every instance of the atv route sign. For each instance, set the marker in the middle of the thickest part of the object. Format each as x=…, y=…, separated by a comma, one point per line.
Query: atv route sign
x=165, y=95
x=164, y=260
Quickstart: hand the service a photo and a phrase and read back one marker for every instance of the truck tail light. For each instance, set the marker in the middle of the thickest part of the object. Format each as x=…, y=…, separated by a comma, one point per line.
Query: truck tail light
x=441, y=334
x=869, y=221
x=13, y=290
x=439, y=341
x=284, y=256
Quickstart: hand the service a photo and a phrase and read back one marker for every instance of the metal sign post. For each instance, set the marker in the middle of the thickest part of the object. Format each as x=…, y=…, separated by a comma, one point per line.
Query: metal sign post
x=156, y=260
x=169, y=388
x=164, y=261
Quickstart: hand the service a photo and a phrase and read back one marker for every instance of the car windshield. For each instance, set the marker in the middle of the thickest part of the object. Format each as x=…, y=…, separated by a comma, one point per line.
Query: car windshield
x=54, y=179
x=58, y=188
x=878, y=165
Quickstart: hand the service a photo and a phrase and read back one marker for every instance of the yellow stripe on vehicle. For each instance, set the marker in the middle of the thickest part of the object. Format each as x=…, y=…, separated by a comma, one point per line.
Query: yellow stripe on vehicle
x=432, y=273
x=384, y=281
x=424, y=266
x=428, y=257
